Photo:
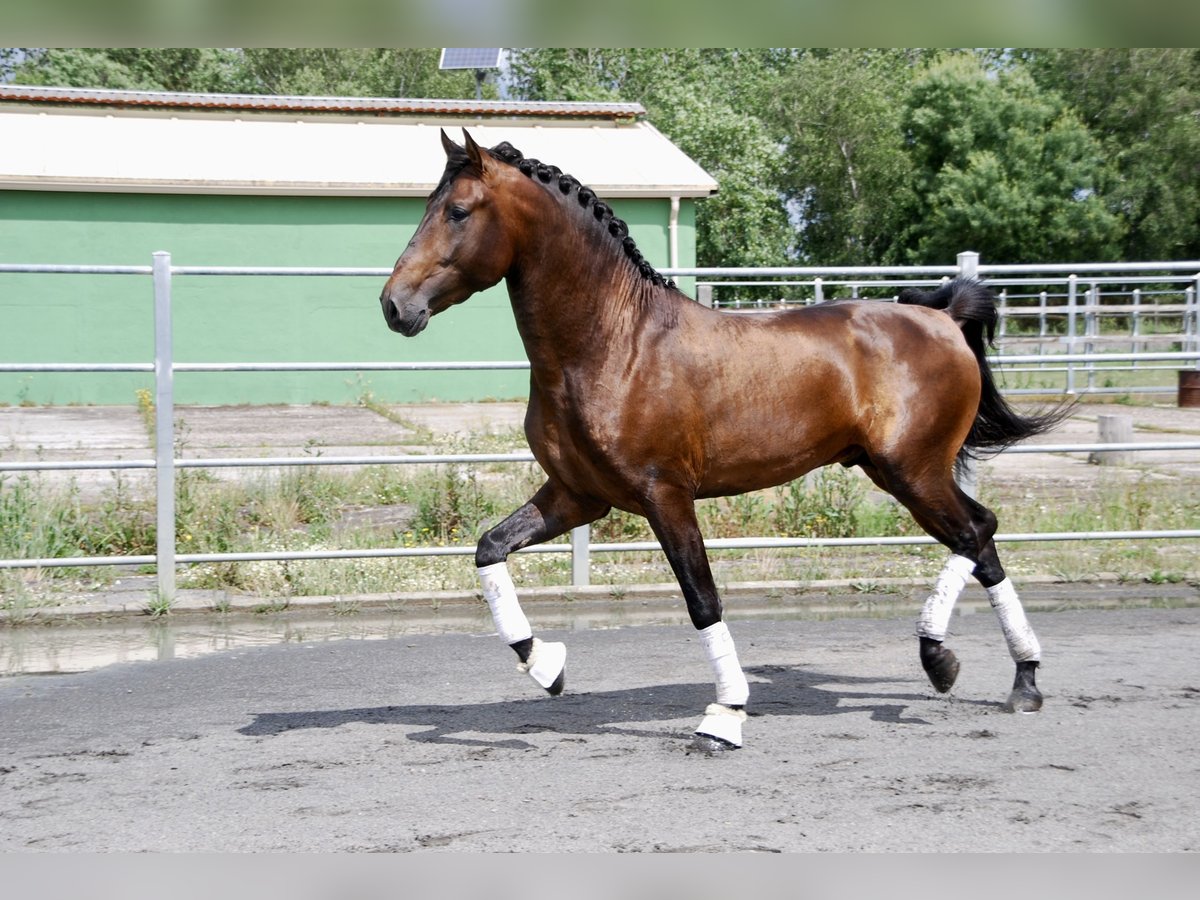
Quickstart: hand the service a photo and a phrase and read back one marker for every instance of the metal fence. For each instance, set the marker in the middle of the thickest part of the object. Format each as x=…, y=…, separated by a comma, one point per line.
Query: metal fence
x=1171, y=291
x=1072, y=319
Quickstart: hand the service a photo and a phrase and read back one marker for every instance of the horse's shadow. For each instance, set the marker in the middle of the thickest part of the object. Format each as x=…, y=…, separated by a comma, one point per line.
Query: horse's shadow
x=782, y=691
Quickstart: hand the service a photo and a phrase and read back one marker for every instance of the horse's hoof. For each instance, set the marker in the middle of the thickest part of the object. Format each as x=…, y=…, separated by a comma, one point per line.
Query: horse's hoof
x=547, y=665
x=1019, y=702
x=721, y=725
x=709, y=745
x=940, y=664
x=1025, y=696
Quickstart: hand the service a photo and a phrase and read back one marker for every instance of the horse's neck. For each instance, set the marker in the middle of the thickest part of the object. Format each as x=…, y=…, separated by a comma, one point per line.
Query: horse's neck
x=574, y=303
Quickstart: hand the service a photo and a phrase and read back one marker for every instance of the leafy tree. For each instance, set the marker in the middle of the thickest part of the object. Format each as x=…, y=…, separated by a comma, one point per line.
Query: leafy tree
x=845, y=168
x=163, y=69
x=1003, y=167
x=324, y=72
x=573, y=75
x=1143, y=105
x=354, y=72
x=705, y=101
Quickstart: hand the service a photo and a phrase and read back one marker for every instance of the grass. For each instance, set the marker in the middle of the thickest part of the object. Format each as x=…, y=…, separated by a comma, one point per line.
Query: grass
x=448, y=506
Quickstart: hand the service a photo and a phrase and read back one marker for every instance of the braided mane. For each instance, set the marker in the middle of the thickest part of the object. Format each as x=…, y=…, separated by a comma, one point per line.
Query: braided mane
x=586, y=197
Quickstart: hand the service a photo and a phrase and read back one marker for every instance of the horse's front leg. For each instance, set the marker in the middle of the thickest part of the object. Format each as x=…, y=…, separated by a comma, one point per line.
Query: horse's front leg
x=552, y=511
x=672, y=515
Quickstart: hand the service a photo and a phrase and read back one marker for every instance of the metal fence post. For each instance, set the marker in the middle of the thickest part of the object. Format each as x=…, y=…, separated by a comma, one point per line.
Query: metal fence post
x=580, y=564
x=1091, y=328
x=164, y=429
x=1193, y=302
x=1072, y=287
x=1135, y=323
x=968, y=264
x=967, y=472
x=1042, y=321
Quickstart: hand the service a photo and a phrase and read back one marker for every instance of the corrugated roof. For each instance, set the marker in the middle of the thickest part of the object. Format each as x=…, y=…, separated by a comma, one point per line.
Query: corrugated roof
x=48, y=143
x=286, y=103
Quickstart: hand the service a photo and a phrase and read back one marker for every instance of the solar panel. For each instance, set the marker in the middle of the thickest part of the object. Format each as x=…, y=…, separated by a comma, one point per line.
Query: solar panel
x=470, y=58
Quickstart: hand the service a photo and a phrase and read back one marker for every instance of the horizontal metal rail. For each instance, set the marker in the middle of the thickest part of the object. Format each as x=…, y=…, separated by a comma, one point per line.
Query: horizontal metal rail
x=76, y=367
x=981, y=269
x=248, y=462
x=54, y=269
x=782, y=543
x=74, y=465
x=998, y=359
x=1017, y=359
x=466, y=366
x=480, y=366
x=714, y=544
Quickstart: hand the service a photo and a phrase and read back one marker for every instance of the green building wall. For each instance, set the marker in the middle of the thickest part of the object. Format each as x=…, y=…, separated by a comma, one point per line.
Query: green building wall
x=49, y=318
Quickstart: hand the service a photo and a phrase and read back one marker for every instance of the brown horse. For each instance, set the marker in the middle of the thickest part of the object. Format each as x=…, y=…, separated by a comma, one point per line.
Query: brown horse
x=644, y=400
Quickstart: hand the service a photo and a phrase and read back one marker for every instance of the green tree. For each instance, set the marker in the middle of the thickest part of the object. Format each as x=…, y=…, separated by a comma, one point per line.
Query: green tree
x=1143, y=105
x=1002, y=167
x=574, y=75
x=707, y=102
x=161, y=69
x=373, y=72
x=846, y=171
x=355, y=72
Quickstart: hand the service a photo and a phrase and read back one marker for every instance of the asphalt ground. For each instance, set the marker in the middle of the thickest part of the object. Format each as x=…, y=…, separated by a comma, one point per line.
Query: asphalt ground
x=432, y=742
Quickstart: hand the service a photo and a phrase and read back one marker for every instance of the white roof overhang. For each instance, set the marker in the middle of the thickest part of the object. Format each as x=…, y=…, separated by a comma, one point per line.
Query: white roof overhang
x=60, y=149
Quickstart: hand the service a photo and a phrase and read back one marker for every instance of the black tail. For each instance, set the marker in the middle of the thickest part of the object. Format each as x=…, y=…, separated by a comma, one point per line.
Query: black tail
x=997, y=425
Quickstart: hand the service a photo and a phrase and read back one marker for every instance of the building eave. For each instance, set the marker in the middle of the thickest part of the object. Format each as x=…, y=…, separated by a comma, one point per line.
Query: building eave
x=273, y=103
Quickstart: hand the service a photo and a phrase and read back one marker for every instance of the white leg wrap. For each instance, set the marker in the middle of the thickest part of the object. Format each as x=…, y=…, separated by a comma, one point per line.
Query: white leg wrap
x=501, y=597
x=722, y=723
x=1022, y=642
x=935, y=615
x=732, y=689
x=546, y=662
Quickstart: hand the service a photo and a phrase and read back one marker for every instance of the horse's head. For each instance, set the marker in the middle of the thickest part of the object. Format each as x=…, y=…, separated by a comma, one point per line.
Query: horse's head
x=461, y=245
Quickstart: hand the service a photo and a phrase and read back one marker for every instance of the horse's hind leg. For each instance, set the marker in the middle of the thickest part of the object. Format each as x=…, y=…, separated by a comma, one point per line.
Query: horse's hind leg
x=1023, y=644
x=966, y=527
x=551, y=512
x=938, y=661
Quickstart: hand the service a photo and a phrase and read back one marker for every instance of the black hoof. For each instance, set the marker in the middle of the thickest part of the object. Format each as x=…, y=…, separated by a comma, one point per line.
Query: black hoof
x=940, y=664
x=708, y=745
x=559, y=683
x=1025, y=696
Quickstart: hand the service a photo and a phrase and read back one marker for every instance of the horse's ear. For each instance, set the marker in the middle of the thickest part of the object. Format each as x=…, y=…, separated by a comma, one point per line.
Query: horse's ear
x=476, y=154
x=454, y=153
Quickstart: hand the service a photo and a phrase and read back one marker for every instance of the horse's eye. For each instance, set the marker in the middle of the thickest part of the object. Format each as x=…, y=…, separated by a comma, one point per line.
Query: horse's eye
x=457, y=214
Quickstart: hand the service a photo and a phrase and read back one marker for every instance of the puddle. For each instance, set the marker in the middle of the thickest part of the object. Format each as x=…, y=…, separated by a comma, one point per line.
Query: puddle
x=81, y=647
x=64, y=649
x=86, y=645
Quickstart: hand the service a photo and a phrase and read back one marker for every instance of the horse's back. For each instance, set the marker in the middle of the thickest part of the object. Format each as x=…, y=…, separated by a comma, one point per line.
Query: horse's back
x=788, y=391
x=866, y=338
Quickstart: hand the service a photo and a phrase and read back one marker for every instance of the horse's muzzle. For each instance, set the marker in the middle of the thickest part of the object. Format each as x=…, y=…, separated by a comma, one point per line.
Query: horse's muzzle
x=409, y=322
